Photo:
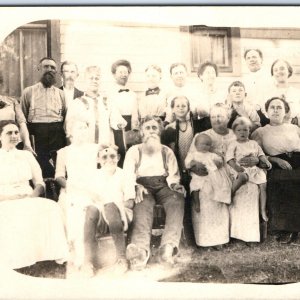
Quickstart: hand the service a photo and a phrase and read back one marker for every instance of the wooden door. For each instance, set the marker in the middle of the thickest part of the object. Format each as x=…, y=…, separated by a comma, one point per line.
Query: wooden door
x=20, y=54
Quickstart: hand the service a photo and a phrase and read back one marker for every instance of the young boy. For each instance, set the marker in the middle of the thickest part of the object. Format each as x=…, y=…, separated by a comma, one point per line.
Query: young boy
x=236, y=101
x=153, y=102
x=108, y=208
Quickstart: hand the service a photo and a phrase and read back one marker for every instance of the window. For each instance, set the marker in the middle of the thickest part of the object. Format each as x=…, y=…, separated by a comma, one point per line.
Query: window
x=21, y=51
x=217, y=44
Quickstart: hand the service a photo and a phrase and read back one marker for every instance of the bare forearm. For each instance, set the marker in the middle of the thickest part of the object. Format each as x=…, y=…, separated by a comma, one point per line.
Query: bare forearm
x=38, y=190
x=61, y=181
x=232, y=163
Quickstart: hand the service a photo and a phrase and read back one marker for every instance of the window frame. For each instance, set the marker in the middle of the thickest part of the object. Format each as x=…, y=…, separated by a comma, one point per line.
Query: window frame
x=233, y=48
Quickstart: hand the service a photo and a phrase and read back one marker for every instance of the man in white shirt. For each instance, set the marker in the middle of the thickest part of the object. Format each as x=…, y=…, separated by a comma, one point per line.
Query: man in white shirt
x=152, y=177
x=44, y=108
x=69, y=74
x=257, y=82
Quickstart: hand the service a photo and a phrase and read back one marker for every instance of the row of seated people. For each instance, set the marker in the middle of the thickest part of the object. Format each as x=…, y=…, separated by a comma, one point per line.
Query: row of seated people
x=223, y=165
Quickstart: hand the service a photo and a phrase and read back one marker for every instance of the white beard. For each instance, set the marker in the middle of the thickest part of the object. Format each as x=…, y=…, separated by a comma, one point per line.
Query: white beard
x=152, y=144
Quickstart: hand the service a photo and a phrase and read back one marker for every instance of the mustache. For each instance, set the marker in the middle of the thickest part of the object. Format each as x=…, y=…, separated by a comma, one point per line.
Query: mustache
x=69, y=79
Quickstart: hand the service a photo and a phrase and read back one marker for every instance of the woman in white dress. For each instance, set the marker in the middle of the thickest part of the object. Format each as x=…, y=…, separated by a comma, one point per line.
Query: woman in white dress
x=281, y=72
x=211, y=219
x=210, y=94
x=31, y=228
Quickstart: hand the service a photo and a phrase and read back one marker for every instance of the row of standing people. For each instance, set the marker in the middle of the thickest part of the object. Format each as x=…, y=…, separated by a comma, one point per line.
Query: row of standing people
x=35, y=99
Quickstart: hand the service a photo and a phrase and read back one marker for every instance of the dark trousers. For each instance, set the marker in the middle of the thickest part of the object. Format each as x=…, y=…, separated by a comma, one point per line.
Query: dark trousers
x=47, y=138
x=93, y=227
x=173, y=203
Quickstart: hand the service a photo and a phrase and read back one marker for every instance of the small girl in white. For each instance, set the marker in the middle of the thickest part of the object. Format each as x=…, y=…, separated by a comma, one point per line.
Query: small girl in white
x=244, y=147
x=217, y=181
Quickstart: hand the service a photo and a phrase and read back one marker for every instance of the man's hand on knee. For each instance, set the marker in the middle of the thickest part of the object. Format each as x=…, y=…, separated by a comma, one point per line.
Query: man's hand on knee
x=129, y=203
x=140, y=190
x=178, y=188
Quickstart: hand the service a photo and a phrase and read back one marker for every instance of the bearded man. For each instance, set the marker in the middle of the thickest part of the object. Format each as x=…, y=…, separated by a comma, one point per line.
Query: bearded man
x=44, y=108
x=152, y=177
x=69, y=74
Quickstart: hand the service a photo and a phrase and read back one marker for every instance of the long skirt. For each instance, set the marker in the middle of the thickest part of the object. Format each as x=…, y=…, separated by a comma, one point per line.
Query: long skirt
x=211, y=224
x=244, y=214
x=31, y=230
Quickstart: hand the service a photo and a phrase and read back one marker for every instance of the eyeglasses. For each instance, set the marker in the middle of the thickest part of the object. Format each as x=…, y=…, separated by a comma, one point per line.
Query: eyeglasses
x=106, y=156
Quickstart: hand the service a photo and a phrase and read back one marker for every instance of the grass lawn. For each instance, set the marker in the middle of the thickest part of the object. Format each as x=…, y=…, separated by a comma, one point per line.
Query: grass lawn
x=267, y=263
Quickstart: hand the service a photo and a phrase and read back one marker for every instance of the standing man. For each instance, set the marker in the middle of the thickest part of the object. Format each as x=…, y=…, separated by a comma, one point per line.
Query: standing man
x=44, y=108
x=152, y=176
x=257, y=81
x=69, y=74
x=125, y=100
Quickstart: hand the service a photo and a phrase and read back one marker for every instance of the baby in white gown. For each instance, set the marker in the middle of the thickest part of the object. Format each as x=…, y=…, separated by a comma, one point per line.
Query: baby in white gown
x=216, y=183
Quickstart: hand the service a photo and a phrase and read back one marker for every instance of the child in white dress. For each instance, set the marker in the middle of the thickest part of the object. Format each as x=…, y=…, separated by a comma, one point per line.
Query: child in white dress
x=241, y=148
x=216, y=183
x=75, y=167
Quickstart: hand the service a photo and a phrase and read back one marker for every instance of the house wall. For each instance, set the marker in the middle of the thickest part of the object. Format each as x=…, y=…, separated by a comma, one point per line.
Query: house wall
x=95, y=43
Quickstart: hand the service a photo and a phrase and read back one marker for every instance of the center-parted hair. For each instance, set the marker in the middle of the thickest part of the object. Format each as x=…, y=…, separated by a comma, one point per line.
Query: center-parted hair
x=289, y=67
x=173, y=101
x=286, y=105
x=203, y=67
x=4, y=123
x=121, y=62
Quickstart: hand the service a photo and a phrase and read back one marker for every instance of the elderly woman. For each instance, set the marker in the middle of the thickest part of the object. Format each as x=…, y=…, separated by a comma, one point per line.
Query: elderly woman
x=31, y=228
x=281, y=71
x=211, y=218
x=281, y=141
x=209, y=92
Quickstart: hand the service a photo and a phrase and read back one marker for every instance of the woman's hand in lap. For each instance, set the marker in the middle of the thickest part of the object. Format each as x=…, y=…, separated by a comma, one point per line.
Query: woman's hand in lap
x=281, y=163
x=249, y=161
x=199, y=169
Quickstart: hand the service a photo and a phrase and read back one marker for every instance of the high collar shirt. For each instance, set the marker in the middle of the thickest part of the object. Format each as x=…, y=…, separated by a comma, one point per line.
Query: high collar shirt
x=125, y=100
x=43, y=105
x=69, y=95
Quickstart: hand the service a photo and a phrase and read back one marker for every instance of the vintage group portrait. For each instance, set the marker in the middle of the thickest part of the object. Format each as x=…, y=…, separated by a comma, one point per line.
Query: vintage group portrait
x=150, y=152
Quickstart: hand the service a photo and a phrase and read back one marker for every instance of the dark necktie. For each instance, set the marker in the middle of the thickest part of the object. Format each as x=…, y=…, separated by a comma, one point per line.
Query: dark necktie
x=123, y=90
x=154, y=91
x=96, y=120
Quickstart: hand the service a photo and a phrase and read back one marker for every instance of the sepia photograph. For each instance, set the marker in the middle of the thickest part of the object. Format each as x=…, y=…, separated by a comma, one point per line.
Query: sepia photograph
x=110, y=119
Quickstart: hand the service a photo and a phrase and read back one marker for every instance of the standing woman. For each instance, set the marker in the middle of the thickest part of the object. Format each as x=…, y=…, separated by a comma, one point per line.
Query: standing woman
x=281, y=71
x=210, y=94
x=31, y=228
x=10, y=109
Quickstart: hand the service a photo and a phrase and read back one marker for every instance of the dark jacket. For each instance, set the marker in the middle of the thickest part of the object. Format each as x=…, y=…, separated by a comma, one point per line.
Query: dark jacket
x=171, y=135
x=77, y=93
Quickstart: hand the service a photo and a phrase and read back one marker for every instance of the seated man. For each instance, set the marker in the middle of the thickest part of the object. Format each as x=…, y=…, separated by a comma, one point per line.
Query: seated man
x=152, y=175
